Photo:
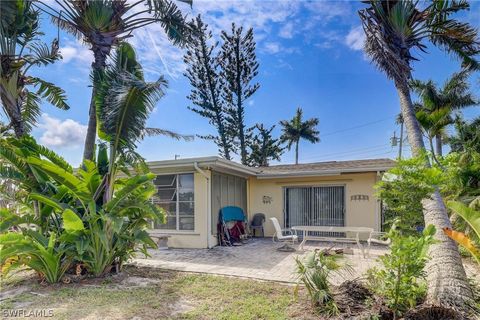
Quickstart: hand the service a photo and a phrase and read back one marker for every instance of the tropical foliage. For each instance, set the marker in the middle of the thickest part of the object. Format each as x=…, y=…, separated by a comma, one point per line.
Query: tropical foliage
x=296, y=129
x=21, y=49
x=90, y=216
x=402, y=190
x=400, y=280
x=104, y=24
x=466, y=137
x=394, y=30
x=471, y=215
x=435, y=109
x=314, y=272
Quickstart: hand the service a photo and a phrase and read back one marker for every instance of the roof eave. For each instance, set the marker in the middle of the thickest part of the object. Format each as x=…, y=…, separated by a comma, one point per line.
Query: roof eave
x=320, y=173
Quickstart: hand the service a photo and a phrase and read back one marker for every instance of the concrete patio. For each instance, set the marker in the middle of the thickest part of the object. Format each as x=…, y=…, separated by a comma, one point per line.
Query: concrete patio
x=256, y=259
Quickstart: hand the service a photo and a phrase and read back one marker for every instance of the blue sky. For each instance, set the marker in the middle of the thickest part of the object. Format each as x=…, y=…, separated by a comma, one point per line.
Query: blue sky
x=310, y=56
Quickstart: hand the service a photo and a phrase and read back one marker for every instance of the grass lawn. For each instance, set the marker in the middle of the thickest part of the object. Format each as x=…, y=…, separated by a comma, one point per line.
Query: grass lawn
x=140, y=293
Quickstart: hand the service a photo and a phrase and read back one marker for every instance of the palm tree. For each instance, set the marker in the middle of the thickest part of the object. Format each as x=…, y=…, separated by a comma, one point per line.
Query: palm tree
x=124, y=101
x=295, y=129
x=467, y=136
x=436, y=105
x=20, y=50
x=393, y=29
x=102, y=24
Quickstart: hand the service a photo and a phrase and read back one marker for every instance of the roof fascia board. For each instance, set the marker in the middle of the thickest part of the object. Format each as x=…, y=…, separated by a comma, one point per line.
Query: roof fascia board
x=318, y=173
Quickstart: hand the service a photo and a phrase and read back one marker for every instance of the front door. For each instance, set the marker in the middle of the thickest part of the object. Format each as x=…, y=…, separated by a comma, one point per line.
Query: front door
x=315, y=206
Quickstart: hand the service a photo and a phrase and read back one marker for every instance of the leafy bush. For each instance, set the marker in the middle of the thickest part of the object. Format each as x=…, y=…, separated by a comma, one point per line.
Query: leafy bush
x=91, y=216
x=399, y=280
x=313, y=272
x=44, y=255
x=472, y=218
x=72, y=222
x=402, y=190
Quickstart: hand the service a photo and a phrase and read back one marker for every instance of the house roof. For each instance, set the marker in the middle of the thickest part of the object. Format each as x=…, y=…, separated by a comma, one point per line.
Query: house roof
x=214, y=162
x=288, y=170
x=326, y=168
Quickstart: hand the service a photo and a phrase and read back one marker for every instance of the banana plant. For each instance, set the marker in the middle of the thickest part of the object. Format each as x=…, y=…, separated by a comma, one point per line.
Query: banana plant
x=472, y=218
x=104, y=234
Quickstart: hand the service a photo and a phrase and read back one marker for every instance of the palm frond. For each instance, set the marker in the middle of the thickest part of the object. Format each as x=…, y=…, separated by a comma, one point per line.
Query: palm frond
x=124, y=100
x=172, y=20
x=167, y=133
x=41, y=54
x=30, y=110
x=47, y=90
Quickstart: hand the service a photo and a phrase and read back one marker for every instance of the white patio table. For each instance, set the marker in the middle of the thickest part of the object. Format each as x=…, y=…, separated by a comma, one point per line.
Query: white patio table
x=356, y=230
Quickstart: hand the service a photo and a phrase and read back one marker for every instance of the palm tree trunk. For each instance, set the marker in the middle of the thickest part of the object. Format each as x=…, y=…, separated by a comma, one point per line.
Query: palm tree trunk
x=89, y=146
x=98, y=66
x=446, y=278
x=438, y=144
x=296, y=151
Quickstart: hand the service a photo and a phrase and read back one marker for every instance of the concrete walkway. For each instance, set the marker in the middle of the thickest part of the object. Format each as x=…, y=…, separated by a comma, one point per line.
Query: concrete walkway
x=256, y=259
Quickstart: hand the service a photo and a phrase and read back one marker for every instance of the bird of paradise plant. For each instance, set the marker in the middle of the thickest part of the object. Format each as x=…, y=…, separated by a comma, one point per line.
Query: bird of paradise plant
x=472, y=217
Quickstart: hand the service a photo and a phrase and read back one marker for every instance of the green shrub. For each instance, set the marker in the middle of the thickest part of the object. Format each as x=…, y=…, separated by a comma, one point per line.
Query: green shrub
x=400, y=278
x=313, y=272
x=71, y=221
x=46, y=256
x=402, y=190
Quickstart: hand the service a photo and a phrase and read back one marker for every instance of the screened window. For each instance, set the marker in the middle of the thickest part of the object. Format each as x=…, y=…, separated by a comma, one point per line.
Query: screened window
x=175, y=195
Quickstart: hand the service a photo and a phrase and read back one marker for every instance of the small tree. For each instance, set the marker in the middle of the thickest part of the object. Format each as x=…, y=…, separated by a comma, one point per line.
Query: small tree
x=402, y=190
x=239, y=67
x=206, y=92
x=264, y=147
x=296, y=129
x=400, y=280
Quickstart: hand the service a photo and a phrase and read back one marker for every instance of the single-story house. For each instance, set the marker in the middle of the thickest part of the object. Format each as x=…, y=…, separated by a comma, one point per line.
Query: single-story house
x=334, y=193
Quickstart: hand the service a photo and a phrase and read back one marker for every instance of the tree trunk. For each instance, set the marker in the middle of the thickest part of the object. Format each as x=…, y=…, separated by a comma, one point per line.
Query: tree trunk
x=296, y=151
x=446, y=278
x=98, y=65
x=438, y=144
x=88, y=150
x=10, y=106
x=18, y=127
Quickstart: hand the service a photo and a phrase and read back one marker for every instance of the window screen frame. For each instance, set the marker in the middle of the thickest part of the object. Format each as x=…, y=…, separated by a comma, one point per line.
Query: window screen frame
x=177, y=201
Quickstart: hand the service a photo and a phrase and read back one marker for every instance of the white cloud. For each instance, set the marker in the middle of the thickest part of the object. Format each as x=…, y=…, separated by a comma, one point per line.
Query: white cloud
x=355, y=38
x=74, y=51
x=61, y=133
x=159, y=56
x=272, y=47
x=286, y=31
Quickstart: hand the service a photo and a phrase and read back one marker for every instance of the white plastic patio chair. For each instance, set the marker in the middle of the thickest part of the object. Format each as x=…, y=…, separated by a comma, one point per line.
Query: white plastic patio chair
x=279, y=233
x=378, y=238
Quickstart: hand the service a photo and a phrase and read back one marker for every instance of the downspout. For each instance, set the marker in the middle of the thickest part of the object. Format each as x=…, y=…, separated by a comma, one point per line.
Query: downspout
x=209, y=204
x=378, y=211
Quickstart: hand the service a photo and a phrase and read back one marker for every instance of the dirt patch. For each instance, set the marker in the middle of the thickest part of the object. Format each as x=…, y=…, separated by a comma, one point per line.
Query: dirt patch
x=182, y=306
x=134, y=281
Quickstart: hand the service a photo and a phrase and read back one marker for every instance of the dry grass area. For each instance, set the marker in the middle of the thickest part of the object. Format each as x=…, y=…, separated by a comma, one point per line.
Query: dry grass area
x=139, y=293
